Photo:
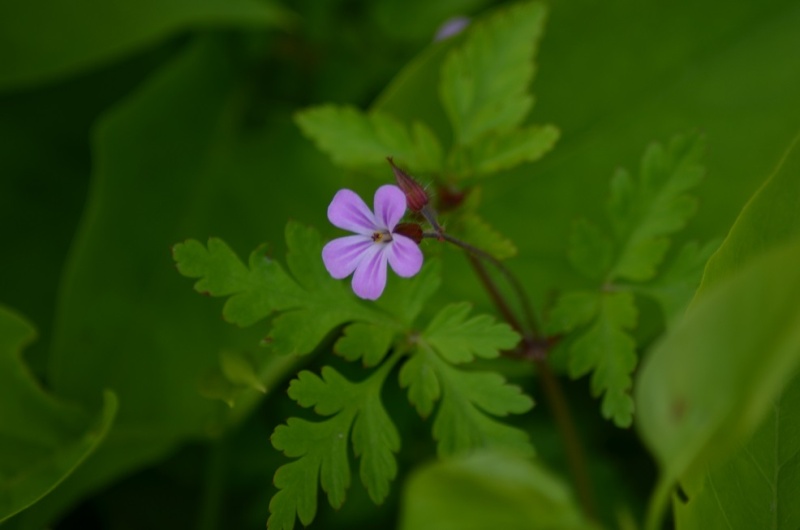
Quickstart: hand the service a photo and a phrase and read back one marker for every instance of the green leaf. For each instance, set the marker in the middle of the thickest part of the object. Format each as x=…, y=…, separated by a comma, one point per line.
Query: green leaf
x=46, y=41
x=468, y=399
x=463, y=422
x=590, y=251
x=356, y=139
x=321, y=447
x=484, y=82
x=471, y=227
x=608, y=351
x=716, y=375
x=674, y=288
x=42, y=438
x=763, y=471
x=488, y=490
x=506, y=149
x=368, y=341
x=459, y=339
x=406, y=298
x=758, y=487
x=644, y=213
x=573, y=309
x=311, y=303
x=418, y=374
x=768, y=220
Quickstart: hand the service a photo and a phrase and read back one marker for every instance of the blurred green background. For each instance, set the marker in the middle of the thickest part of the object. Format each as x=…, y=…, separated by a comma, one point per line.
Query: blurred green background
x=126, y=127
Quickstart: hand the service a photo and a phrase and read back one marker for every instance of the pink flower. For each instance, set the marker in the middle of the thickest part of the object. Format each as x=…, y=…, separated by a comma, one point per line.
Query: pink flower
x=374, y=243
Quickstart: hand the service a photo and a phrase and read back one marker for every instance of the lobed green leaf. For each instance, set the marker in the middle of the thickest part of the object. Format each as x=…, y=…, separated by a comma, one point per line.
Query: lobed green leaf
x=353, y=138
x=464, y=419
x=459, y=339
x=509, y=148
x=608, y=351
x=484, y=82
x=309, y=301
x=321, y=448
x=644, y=213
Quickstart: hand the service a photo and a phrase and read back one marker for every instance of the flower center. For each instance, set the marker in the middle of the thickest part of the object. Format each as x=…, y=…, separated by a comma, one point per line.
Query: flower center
x=381, y=237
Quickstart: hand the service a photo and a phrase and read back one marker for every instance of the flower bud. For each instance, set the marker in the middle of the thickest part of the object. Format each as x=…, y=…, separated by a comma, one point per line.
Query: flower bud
x=416, y=197
x=411, y=230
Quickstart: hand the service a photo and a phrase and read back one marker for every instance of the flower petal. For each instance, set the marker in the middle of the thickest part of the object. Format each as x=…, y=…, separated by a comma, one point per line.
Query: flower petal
x=390, y=206
x=341, y=256
x=349, y=212
x=370, y=277
x=405, y=257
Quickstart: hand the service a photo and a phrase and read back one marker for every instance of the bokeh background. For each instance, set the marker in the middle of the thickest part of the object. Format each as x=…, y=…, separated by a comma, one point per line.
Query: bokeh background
x=126, y=127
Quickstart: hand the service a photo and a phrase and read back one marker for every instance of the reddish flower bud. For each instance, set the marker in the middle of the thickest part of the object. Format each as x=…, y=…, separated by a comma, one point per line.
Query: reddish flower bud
x=411, y=230
x=416, y=198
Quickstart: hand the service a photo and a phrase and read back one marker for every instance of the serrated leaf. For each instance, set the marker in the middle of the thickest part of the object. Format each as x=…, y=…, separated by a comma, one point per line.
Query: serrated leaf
x=355, y=139
x=405, y=299
x=644, y=213
x=507, y=149
x=321, y=447
x=590, y=251
x=488, y=490
x=419, y=376
x=607, y=350
x=369, y=342
x=479, y=233
x=43, y=439
x=310, y=302
x=484, y=82
x=674, y=288
x=573, y=309
x=459, y=339
x=463, y=423
x=464, y=419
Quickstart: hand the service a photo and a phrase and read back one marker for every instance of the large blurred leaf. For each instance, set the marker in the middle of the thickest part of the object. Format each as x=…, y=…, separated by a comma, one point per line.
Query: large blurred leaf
x=172, y=161
x=488, y=490
x=759, y=485
x=769, y=219
x=756, y=488
x=712, y=380
x=42, y=439
x=45, y=40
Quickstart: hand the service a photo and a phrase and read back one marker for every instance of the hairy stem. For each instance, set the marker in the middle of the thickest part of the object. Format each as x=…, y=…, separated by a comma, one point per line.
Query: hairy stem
x=535, y=350
x=519, y=291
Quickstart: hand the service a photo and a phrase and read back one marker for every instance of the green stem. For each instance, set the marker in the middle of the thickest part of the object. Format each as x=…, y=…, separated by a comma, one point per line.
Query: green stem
x=512, y=280
x=535, y=349
x=213, y=486
x=658, y=505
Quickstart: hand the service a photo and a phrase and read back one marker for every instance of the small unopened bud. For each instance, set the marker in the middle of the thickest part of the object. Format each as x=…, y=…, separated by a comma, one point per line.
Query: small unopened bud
x=416, y=197
x=411, y=230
